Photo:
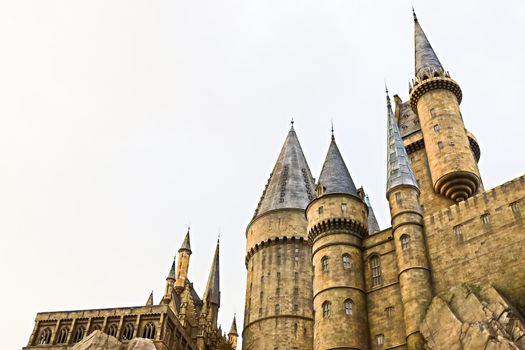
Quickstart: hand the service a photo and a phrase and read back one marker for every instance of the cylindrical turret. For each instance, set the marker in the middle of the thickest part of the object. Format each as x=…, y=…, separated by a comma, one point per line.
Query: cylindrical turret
x=183, y=263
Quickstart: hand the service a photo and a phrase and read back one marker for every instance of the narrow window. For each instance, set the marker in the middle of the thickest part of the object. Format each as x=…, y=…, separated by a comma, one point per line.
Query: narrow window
x=260, y=312
x=112, y=330
x=398, y=197
x=79, y=334
x=149, y=331
x=515, y=208
x=278, y=277
x=277, y=309
x=277, y=291
x=433, y=112
x=321, y=209
x=405, y=242
x=380, y=339
x=485, y=218
x=346, y=262
x=45, y=336
x=295, y=308
x=436, y=128
x=278, y=259
x=127, y=334
x=62, y=336
x=344, y=207
x=296, y=291
x=389, y=311
x=349, y=307
x=261, y=296
x=262, y=281
x=296, y=277
x=326, y=309
x=440, y=145
x=376, y=271
x=457, y=230
x=324, y=263
x=96, y=327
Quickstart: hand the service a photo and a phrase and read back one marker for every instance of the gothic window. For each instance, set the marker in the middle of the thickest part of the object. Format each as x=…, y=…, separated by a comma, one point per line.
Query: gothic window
x=127, y=334
x=149, y=331
x=349, y=307
x=389, y=311
x=326, y=309
x=485, y=218
x=405, y=242
x=398, y=197
x=440, y=145
x=515, y=208
x=45, y=336
x=321, y=209
x=96, y=327
x=346, y=262
x=375, y=264
x=277, y=309
x=62, y=335
x=79, y=334
x=436, y=128
x=112, y=330
x=344, y=207
x=324, y=263
x=380, y=339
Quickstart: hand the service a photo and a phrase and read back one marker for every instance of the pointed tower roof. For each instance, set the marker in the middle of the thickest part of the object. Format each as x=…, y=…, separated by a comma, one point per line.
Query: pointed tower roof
x=233, y=328
x=426, y=59
x=335, y=177
x=213, y=293
x=171, y=274
x=399, y=171
x=150, y=299
x=186, y=243
x=291, y=184
x=373, y=226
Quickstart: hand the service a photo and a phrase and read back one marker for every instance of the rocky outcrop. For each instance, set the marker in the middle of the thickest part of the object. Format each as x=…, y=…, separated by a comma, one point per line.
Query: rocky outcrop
x=471, y=318
x=101, y=341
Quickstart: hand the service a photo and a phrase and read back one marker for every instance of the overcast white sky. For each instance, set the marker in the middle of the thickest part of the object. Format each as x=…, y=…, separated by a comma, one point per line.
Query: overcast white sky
x=121, y=122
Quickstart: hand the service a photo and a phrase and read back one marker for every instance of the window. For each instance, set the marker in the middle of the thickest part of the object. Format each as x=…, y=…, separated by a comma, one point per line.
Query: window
x=79, y=334
x=346, y=262
x=260, y=312
x=376, y=271
x=277, y=309
x=295, y=308
x=344, y=207
x=321, y=209
x=278, y=276
x=277, y=291
x=326, y=309
x=262, y=282
x=349, y=307
x=485, y=218
x=324, y=264
x=296, y=277
x=127, y=334
x=96, y=327
x=62, y=335
x=112, y=330
x=389, y=311
x=45, y=336
x=436, y=128
x=432, y=112
x=440, y=145
x=398, y=197
x=149, y=331
x=515, y=208
x=296, y=291
x=457, y=230
x=380, y=339
x=261, y=296
x=405, y=242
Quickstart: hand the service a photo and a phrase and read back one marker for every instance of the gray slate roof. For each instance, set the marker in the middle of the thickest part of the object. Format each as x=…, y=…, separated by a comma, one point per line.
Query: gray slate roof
x=212, y=294
x=233, y=328
x=426, y=59
x=399, y=171
x=186, y=244
x=291, y=184
x=171, y=274
x=335, y=177
x=373, y=226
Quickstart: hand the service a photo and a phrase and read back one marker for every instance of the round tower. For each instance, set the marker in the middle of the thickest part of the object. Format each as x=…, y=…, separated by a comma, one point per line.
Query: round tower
x=183, y=263
x=337, y=223
x=435, y=97
x=409, y=239
x=278, y=309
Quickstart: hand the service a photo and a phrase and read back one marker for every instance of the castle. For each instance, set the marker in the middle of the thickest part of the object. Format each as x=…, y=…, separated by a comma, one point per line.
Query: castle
x=449, y=272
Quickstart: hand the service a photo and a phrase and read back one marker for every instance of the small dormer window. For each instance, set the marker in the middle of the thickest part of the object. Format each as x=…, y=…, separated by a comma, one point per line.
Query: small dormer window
x=344, y=207
x=321, y=209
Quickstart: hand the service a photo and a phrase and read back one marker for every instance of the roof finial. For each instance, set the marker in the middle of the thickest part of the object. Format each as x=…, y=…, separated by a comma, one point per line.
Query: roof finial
x=388, y=104
x=333, y=137
x=414, y=14
x=292, y=122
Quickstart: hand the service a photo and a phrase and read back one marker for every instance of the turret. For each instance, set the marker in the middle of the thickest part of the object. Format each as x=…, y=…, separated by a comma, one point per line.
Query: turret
x=233, y=335
x=337, y=224
x=183, y=263
x=435, y=97
x=149, y=302
x=278, y=311
x=409, y=238
x=212, y=294
x=170, y=282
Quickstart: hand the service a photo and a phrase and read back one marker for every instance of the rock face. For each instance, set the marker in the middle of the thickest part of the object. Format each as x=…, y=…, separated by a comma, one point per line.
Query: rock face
x=101, y=341
x=470, y=318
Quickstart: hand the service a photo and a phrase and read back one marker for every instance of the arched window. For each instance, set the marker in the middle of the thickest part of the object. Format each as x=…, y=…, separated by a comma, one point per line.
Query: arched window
x=149, y=331
x=79, y=334
x=45, y=336
x=112, y=330
x=127, y=334
x=277, y=309
x=326, y=309
x=62, y=335
x=324, y=263
x=346, y=262
x=96, y=327
x=375, y=264
x=405, y=242
x=349, y=307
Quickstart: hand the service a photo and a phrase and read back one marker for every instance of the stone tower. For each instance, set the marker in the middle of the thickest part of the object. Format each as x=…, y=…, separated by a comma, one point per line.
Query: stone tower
x=233, y=335
x=337, y=224
x=408, y=232
x=435, y=97
x=278, y=310
x=183, y=263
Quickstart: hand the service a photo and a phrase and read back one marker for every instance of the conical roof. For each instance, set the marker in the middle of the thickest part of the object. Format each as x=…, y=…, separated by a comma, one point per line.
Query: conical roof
x=335, y=177
x=150, y=299
x=373, y=226
x=171, y=274
x=186, y=243
x=399, y=171
x=426, y=59
x=291, y=184
x=212, y=293
x=233, y=328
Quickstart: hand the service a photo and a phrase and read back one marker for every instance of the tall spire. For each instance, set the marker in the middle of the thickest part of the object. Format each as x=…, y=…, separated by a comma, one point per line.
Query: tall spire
x=233, y=328
x=335, y=177
x=291, y=184
x=171, y=274
x=373, y=226
x=186, y=244
x=399, y=171
x=150, y=299
x=427, y=62
x=213, y=294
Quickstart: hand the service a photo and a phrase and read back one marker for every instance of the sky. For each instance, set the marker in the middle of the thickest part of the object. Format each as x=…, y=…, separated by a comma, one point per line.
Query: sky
x=122, y=122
